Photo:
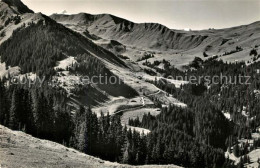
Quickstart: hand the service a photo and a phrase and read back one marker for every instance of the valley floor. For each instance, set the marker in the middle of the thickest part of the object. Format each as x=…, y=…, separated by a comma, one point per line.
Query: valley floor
x=18, y=149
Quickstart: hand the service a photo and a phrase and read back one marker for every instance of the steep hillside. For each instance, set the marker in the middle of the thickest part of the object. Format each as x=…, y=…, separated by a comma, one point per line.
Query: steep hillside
x=18, y=149
x=145, y=35
x=156, y=36
x=34, y=43
x=10, y=9
x=20, y=23
x=48, y=40
x=224, y=39
x=177, y=46
x=17, y=6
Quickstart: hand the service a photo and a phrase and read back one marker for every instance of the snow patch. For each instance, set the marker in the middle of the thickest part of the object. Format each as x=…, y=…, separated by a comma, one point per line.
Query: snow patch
x=66, y=63
x=138, y=129
x=232, y=157
x=161, y=66
x=244, y=113
x=255, y=135
x=257, y=91
x=66, y=80
x=187, y=29
x=12, y=71
x=227, y=115
x=254, y=155
x=180, y=104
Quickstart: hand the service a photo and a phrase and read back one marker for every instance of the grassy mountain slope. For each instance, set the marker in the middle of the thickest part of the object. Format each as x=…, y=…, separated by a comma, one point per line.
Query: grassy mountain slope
x=153, y=35
x=177, y=46
x=18, y=149
x=145, y=35
x=49, y=40
x=10, y=8
x=35, y=43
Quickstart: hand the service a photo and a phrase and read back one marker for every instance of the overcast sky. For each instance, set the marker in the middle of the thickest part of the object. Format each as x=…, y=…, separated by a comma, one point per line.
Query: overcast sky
x=175, y=14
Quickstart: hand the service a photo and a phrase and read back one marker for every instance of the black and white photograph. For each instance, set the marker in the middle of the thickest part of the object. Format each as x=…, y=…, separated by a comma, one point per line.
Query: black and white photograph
x=129, y=83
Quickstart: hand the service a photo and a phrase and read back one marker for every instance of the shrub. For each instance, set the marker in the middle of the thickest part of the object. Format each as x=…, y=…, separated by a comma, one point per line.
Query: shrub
x=253, y=52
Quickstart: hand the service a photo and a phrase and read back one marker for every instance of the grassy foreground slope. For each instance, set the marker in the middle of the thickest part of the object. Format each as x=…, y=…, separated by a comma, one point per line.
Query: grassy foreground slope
x=18, y=149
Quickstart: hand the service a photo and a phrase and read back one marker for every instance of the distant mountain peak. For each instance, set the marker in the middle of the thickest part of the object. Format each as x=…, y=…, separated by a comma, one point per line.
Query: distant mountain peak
x=64, y=12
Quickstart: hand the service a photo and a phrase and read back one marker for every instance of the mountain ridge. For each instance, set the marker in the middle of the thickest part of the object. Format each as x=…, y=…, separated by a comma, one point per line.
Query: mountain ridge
x=156, y=36
x=18, y=6
x=115, y=28
x=125, y=19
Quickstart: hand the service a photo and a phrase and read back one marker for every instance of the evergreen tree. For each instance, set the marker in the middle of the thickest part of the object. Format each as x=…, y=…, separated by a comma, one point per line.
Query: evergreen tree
x=13, y=120
x=236, y=150
x=4, y=103
x=126, y=152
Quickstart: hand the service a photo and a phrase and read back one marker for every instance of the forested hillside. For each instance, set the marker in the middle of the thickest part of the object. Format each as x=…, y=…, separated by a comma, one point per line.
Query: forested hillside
x=37, y=47
x=220, y=112
x=38, y=112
